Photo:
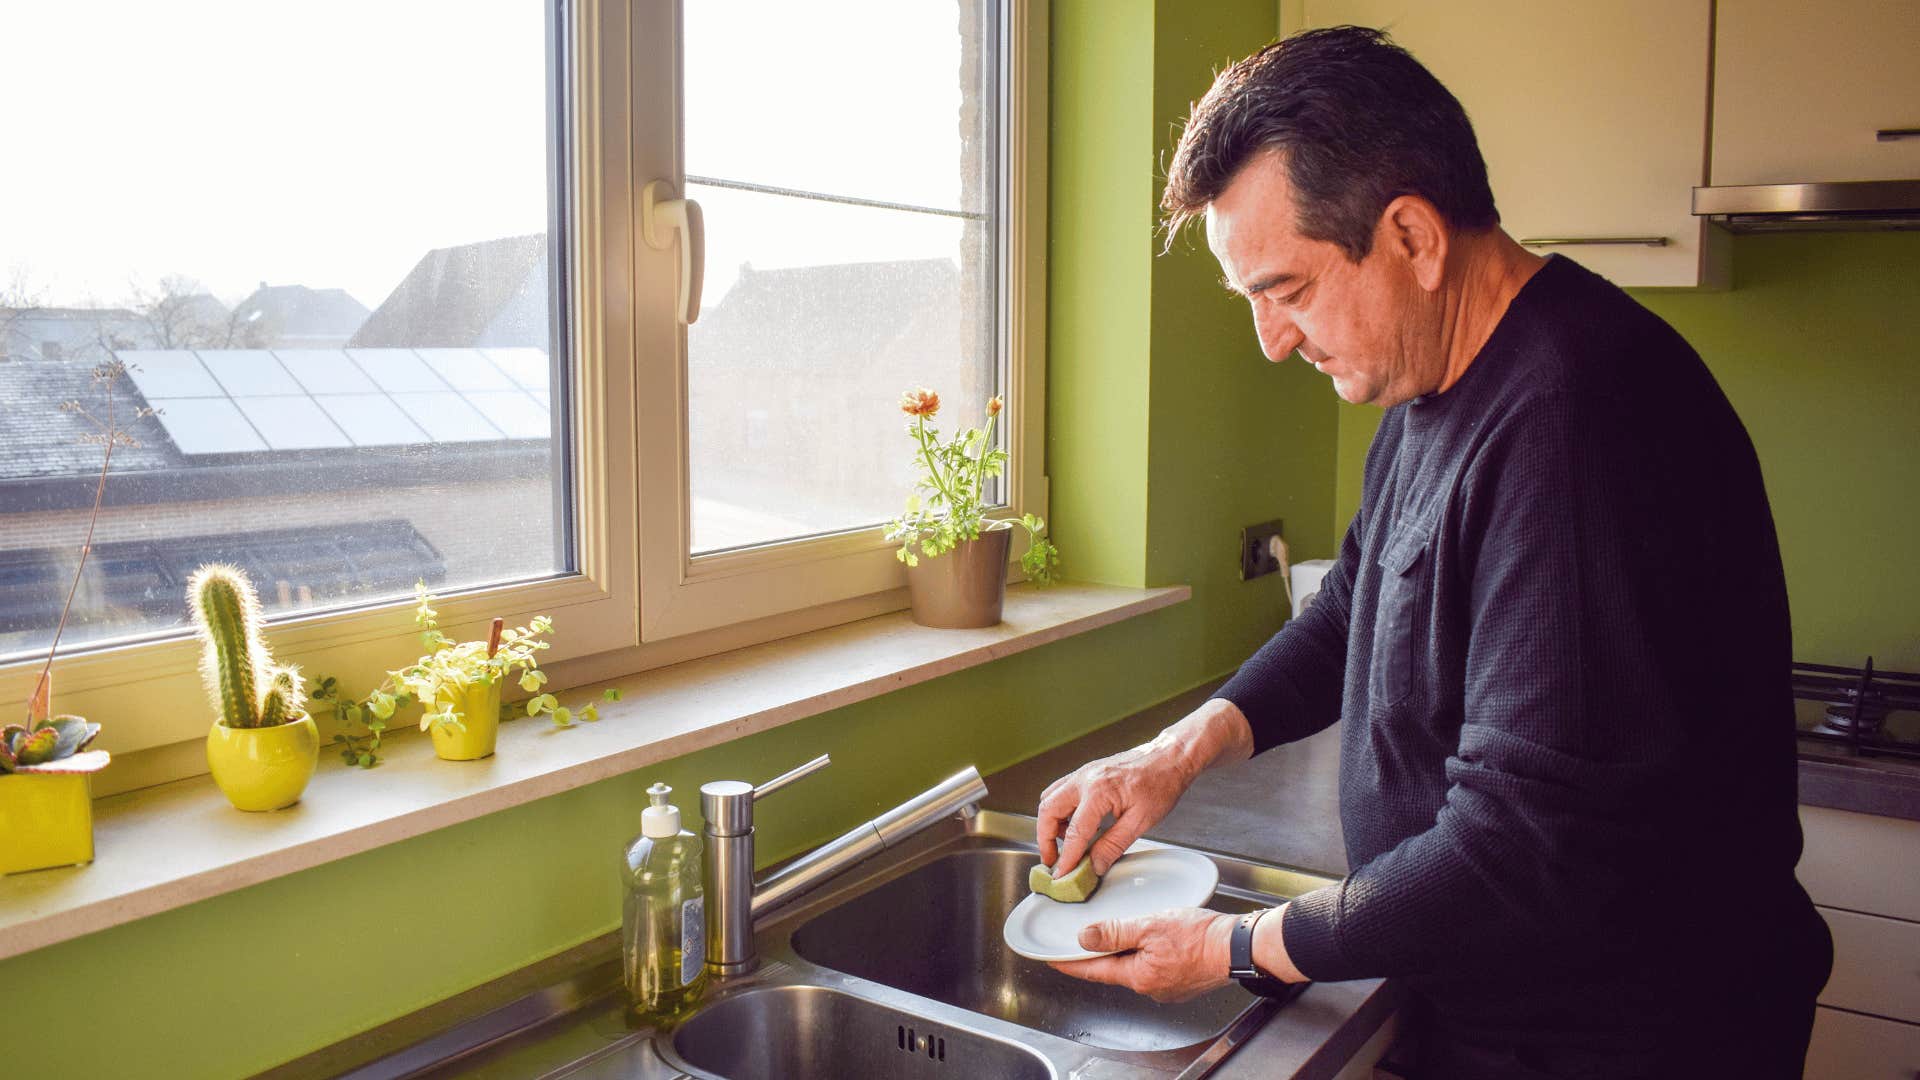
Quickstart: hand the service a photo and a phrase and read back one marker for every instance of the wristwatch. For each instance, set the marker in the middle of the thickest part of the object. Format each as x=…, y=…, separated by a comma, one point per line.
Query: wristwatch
x=1240, y=963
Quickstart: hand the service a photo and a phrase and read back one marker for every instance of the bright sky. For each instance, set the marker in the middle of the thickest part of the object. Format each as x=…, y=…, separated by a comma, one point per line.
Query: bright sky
x=241, y=141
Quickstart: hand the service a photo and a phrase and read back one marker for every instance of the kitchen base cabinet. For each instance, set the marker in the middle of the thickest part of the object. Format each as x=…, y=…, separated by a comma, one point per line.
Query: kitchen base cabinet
x=1863, y=872
x=1849, y=1046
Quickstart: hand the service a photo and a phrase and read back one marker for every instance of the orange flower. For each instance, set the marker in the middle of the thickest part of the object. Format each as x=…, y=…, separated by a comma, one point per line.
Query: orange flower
x=922, y=402
x=994, y=405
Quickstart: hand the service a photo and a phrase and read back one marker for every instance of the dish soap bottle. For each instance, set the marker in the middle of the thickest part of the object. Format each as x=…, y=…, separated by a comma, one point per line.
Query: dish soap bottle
x=663, y=936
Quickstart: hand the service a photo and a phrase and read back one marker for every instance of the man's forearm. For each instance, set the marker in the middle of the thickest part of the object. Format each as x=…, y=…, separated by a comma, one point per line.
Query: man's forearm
x=1216, y=733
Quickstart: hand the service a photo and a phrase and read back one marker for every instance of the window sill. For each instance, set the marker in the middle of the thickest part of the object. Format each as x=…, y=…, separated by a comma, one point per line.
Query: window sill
x=164, y=847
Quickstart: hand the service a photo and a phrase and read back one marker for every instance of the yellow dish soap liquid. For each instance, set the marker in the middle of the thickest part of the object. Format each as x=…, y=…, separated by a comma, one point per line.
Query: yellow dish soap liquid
x=663, y=927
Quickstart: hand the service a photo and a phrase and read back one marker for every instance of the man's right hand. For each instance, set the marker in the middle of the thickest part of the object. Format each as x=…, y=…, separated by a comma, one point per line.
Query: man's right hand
x=1136, y=786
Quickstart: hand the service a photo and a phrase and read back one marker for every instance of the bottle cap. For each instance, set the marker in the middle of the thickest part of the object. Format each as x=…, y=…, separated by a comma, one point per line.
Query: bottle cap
x=660, y=820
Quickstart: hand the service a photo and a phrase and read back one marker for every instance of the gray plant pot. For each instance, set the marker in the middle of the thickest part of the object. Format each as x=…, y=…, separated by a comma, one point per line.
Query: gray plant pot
x=963, y=588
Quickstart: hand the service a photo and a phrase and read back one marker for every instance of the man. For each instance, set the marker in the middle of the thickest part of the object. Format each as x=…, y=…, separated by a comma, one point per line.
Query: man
x=1556, y=633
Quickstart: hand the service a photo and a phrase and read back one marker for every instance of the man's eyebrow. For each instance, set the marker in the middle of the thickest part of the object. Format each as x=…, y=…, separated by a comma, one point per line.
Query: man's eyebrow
x=1259, y=285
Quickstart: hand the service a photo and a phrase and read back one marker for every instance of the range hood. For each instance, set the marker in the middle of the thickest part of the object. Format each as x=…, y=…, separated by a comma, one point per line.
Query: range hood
x=1851, y=206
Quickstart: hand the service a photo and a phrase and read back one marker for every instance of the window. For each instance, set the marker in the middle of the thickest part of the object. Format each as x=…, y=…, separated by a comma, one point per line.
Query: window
x=853, y=167
x=332, y=305
x=398, y=324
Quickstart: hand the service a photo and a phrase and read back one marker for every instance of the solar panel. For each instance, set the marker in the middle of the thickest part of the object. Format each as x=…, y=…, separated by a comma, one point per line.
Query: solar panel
x=168, y=373
x=326, y=371
x=206, y=425
x=527, y=367
x=512, y=412
x=292, y=423
x=447, y=417
x=248, y=372
x=465, y=369
x=371, y=419
x=397, y=371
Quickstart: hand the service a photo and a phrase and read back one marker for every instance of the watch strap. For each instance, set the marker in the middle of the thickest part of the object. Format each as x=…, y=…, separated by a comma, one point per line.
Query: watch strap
x=1240, y=963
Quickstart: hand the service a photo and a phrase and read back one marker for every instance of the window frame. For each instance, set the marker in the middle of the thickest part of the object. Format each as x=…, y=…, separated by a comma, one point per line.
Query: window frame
x=146, y=690
x=684, y=593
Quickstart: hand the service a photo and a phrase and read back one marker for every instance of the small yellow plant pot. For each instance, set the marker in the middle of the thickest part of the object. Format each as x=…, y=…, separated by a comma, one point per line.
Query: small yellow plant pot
x=45, y=820
x=264, y=768
x=479, y=710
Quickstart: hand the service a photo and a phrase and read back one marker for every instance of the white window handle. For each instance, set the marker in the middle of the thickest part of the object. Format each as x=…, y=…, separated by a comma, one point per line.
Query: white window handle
x=661, y=218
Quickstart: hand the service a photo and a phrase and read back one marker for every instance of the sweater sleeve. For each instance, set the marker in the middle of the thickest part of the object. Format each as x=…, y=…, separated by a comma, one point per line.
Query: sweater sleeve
x=1290, y=688
x=1568, y=734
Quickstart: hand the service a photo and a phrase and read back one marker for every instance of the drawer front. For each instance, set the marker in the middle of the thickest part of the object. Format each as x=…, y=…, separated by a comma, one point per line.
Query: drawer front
x=1847, y=1046
x=1861, y=862
x=1876, y=965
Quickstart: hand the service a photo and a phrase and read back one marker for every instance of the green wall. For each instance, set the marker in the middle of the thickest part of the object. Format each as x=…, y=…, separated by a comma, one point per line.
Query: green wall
x=1814, y=346
x=1167, y=432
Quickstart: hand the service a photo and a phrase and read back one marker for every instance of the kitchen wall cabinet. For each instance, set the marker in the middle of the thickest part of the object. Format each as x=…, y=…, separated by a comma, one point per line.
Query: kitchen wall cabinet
x=1800, y=90
x=1592, y=118
x=1861, y=871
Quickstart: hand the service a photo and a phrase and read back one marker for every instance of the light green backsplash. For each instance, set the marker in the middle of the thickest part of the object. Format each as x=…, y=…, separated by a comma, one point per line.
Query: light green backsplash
x=1814, y=345
x=1167, y=432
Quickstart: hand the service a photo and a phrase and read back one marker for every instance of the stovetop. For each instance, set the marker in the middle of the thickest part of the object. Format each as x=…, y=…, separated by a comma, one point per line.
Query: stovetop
x=1857, y=712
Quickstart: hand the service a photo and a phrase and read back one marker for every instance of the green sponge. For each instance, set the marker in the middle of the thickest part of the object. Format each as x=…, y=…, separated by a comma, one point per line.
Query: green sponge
x=1074, y=888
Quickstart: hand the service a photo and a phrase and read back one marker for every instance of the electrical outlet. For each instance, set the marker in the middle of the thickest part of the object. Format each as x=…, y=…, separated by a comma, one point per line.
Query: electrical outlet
x=1257, y=555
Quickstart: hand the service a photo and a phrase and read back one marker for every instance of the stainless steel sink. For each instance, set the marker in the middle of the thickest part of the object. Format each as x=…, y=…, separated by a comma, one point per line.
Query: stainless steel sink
x=897, y=969
x=806, y=1031
x=935, y=931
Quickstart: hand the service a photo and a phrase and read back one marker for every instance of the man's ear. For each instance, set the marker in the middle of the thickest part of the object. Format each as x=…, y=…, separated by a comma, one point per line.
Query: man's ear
x=1413, y=231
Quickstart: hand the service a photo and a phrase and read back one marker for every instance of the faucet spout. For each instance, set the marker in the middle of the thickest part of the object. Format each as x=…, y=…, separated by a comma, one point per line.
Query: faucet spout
x=734, y=901
x=937, y=803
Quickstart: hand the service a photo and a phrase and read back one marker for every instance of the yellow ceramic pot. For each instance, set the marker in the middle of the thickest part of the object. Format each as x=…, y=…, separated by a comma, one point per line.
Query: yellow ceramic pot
x=479, y=710
x=46, y=820
x=264, y=768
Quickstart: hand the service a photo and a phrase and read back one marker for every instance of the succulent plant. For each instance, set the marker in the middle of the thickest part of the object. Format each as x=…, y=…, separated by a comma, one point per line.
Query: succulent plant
x=235, y=662
x=51, y=746
x=43, y=745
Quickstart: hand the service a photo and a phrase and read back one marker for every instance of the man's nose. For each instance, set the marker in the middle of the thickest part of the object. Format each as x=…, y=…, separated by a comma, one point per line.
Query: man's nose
x=1277, y=333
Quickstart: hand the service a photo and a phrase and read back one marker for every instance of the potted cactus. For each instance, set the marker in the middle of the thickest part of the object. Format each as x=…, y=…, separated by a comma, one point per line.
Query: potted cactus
x=46, y=796
x=263, y=746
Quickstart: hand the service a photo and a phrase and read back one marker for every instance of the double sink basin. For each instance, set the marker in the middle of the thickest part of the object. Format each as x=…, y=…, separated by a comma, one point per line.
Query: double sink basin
x=900, y=970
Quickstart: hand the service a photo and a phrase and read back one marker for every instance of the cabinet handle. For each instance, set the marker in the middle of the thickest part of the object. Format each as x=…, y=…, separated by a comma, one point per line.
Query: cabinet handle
x=1892, y=135
x=1558, y=241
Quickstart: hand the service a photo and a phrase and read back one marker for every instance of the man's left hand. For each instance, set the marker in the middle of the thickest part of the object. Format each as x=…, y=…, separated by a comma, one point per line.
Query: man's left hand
x=1174, y=955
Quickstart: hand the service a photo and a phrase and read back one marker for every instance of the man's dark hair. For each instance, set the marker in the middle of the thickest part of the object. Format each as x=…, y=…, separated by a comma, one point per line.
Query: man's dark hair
x=1358, y=123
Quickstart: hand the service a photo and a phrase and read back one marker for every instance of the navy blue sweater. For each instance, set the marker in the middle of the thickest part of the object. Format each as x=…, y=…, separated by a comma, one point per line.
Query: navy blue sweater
x=1557, y=638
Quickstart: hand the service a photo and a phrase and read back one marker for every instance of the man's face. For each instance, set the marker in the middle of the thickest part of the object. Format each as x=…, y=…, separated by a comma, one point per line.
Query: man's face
x=1368, y=325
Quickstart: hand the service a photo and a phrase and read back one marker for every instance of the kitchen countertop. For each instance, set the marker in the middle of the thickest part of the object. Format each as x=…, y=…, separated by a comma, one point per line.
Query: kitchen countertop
x=1829, y=777
x=1280, y=807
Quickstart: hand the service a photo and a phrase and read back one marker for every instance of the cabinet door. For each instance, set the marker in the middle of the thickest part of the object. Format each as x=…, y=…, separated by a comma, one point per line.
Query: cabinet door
x=1848, y=1046
x=1592, y=118
x=1876, y=965
x=1800, y=91
x=1861, y=862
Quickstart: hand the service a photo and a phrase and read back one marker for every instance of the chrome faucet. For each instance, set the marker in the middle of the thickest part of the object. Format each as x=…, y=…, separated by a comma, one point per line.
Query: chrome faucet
x=734, y=901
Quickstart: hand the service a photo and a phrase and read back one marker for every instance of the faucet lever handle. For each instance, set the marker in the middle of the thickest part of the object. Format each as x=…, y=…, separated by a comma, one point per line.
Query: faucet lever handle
x=791, y=775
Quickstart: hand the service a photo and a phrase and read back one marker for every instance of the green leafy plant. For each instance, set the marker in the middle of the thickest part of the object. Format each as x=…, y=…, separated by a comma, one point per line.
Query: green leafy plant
x=948, y=505
x=247, y=688
x=369, y=714
x=440, y=679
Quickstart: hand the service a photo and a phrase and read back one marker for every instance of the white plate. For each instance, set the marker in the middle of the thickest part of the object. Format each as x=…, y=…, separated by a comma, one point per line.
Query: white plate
x=1140, y=883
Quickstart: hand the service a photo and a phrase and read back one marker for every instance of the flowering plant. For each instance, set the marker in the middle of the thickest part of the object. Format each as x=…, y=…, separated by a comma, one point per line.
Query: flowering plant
x=948, y=506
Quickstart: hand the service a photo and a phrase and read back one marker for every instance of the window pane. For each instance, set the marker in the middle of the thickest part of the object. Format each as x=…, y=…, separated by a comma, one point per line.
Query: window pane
x=327, y=285
x=852, y=253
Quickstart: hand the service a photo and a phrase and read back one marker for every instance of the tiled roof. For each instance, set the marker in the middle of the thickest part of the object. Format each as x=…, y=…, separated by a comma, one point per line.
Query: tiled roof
x=453, y=296
x=39, y=440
